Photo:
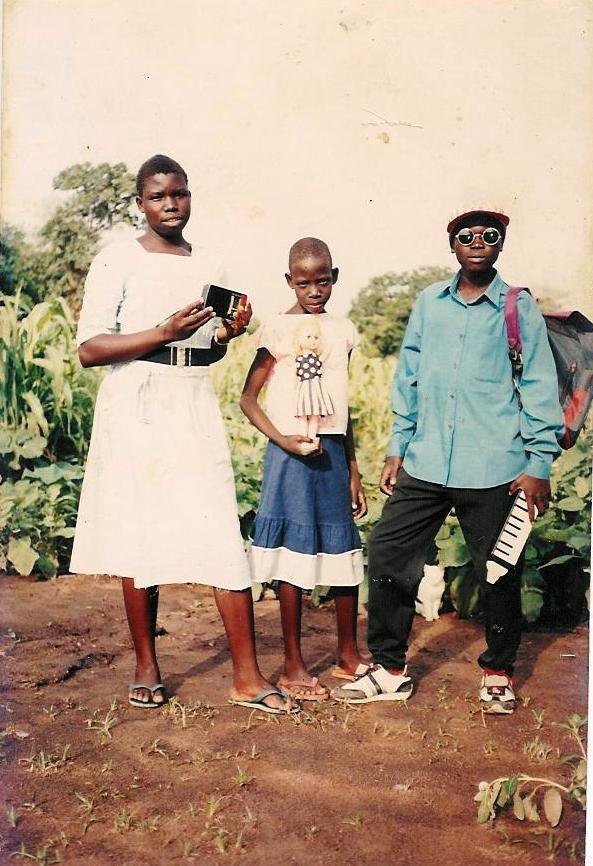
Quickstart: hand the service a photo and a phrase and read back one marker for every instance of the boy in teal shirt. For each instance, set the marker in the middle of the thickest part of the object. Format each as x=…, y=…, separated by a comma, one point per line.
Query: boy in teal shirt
x=461, y=439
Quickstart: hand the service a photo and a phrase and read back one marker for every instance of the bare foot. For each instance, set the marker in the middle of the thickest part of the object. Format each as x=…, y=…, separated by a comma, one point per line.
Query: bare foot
x=303, y=687
x=350, y=667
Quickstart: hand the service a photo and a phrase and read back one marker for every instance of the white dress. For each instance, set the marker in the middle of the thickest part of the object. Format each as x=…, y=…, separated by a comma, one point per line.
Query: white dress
x=158, y=498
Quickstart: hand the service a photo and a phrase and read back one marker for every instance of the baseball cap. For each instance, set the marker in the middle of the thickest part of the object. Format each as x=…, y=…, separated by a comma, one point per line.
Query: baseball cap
x=500, y=217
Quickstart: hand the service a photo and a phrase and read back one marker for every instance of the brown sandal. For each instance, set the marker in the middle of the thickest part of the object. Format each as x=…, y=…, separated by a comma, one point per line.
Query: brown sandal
x=341, y=674
x=302, y=691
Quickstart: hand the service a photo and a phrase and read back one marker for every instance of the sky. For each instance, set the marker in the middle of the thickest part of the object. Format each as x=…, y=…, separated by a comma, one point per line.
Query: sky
x=368, y=124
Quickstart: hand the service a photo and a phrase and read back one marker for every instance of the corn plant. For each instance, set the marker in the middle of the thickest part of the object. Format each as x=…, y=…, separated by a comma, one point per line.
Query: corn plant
x=46, y=399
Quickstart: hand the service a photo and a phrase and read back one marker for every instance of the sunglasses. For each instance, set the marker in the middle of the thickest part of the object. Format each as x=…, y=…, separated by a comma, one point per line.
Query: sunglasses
x=466, y=237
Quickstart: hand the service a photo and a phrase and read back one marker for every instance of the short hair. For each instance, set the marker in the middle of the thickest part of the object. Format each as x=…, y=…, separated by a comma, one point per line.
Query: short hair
x=306, y=247
x=473, y=219
x=157, y=164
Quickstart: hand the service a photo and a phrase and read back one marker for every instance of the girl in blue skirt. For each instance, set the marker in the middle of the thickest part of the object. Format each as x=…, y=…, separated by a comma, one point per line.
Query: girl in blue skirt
x=304, y=534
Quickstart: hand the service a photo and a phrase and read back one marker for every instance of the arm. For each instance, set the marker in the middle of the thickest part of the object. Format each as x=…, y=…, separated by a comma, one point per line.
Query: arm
x=404, y=400
x=112, y=348
x=540, y=417
x=256, y=378
x=359, y=503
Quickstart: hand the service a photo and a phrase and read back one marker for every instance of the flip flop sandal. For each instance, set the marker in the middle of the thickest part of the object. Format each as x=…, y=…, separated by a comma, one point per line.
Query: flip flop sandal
x=341, y=674
x=146, y=705
x=376, y=684
x=258, y=703
x=302, y=691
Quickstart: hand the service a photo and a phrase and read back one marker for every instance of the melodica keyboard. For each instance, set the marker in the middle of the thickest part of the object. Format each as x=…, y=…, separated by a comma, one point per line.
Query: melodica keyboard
x=511, y=540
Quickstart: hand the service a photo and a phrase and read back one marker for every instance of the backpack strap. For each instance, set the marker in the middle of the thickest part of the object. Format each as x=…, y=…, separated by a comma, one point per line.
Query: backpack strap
x=511, y=318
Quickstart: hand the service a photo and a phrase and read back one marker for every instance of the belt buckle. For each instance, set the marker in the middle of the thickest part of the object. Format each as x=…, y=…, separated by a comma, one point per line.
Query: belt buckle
x=181, y=359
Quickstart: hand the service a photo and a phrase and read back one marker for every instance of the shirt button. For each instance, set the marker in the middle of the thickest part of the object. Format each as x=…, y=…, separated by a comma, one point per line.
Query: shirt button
x=452, y=396
x=461, y=336
x=450, y=426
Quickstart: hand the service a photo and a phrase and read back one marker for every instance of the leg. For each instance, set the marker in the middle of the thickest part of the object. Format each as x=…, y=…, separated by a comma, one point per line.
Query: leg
x=482, y=514
x=291, y=603
x=397, y=549
x=141, y=610
x=295, y=670
x=236, y=609
x=346, y=602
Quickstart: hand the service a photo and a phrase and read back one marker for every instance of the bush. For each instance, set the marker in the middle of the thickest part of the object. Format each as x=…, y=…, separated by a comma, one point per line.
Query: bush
x=37, y=518
x=46, y=411
x=46, y=398
x=47, y=406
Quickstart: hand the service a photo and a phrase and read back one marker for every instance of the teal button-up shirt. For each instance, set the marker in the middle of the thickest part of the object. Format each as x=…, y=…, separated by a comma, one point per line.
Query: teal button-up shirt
x=458, y=421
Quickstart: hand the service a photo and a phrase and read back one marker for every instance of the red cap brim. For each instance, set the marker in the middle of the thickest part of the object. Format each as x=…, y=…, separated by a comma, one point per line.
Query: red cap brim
x=502, y=218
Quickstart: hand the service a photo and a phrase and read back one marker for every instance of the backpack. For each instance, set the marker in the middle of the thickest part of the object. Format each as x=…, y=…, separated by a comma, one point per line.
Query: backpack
x=571, y=339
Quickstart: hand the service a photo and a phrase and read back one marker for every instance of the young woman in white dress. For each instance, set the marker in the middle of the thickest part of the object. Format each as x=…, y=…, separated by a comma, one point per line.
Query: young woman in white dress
x=158, y=500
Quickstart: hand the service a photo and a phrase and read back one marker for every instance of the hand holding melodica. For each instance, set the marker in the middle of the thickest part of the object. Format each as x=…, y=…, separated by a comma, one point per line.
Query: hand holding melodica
x=537, y=493
x=236, y=326
x=186, y=321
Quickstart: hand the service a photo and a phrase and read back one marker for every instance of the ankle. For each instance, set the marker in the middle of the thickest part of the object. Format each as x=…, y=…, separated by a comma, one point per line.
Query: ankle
x=349, y=656
x=147, y=665
x=295, y=668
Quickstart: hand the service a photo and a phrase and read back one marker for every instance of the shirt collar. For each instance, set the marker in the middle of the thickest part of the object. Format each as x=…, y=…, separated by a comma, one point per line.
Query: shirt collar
x=493, y=292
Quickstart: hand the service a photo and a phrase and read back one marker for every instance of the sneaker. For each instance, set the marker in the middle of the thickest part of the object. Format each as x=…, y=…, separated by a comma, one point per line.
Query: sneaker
x=375, y=684
x=497, y=694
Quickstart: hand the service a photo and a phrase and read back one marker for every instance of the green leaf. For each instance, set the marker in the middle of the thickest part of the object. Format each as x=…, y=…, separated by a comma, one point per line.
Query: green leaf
x=61, y=471
x=34, y=404
x=530, y=808
x=580, y=541
x=571, y=503
x=518, y=808
x=559, y=560
x=532, y=579
x=484, y=808
x=452, y=552
x=47, y=565
x=503, y=795
x=568, y=460
x=582, y=486
x=495, y=791
x=22, y=555
x=532, y=600
x=580, y=774
x=33, y=447
x=5, y=442
x=65, y=532
x=553, y=806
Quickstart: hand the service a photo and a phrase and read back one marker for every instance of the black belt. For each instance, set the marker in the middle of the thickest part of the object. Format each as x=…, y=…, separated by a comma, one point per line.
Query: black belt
x=182, y=356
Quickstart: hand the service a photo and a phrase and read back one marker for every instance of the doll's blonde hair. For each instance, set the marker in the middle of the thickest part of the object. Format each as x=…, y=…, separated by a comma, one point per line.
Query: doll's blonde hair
x=308, y=326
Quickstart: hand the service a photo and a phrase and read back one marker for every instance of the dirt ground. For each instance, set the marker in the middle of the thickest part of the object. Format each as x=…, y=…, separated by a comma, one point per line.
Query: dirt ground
x=89, y=779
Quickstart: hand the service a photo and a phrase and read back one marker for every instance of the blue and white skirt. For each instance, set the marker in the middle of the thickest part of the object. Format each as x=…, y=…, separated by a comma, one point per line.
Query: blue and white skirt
x=304, y=532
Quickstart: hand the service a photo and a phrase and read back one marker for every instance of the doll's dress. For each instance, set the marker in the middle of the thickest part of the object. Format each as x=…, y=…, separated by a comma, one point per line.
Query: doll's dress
x=312, y=398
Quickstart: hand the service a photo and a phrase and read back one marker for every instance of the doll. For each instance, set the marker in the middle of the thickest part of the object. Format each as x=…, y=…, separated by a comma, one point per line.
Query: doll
x=313, y=402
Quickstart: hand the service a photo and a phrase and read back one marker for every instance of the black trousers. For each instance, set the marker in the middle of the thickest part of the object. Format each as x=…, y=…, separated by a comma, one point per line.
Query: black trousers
x=397, y=549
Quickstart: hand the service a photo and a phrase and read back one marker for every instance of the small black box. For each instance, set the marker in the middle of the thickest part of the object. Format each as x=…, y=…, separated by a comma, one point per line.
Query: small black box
x=224, y=302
